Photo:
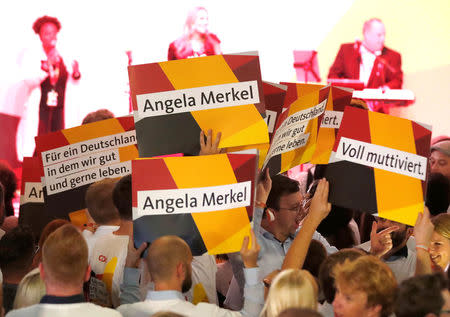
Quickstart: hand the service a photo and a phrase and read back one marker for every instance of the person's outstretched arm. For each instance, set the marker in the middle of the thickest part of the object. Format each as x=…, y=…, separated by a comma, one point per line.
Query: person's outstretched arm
x=319, y=209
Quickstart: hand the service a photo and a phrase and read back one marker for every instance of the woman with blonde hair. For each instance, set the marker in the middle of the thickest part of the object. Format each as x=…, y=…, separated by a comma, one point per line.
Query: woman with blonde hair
x=432, y=243
x=196, y=40
x=30, y=290
x=440, y=242
x=291, y=288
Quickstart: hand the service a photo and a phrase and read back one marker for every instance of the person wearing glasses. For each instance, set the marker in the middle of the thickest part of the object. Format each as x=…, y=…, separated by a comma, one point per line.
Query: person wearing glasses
x=276, y=225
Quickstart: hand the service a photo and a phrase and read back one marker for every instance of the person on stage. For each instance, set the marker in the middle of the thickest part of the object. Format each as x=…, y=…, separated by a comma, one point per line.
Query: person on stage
x=53, y=87
x=196, y=40
x=369, y=61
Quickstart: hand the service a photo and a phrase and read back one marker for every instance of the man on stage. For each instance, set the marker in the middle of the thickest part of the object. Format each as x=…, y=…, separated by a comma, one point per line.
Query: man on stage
x=369, y=61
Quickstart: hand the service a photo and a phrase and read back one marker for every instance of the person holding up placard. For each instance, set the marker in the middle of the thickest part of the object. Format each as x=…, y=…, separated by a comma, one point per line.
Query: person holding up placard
x=169, y=261
x=197, y=40
x=433, y=242
x=276, y=226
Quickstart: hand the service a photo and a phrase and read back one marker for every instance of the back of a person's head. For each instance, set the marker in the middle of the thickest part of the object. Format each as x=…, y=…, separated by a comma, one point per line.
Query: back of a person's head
x=30, y=290
x=421, y=295
x=122, y=198
x=281, y=185
x=48, y=229
x=359, y=103
x=370, y=275
x=16, y=251
x=9, y=182
x=99, y=201
x=167, y=314
x=316, y=255
x=299, y=312
x=290, y=288
x=441, y=224
x=99, y=115
x=65, y=256
x=438, y=193
x=164, y=254
x=326, y=279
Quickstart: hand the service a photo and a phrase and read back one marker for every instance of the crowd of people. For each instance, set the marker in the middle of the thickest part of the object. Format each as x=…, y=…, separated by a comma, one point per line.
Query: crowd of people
x=286, y=267
x=303, y=257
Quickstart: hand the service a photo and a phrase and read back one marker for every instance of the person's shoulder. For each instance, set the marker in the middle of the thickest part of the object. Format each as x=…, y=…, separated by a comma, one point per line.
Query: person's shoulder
x=84, y=309
x=347, y=47
x=391, y=52
x=213, y=37
x=207, y=309
x=131, y=309
x=26, y=311
x=99, y=311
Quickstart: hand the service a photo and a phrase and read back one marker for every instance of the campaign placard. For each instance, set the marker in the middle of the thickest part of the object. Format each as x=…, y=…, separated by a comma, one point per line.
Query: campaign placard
x=274, y=98
x=379, y=165
x=330, y=122
x=205, y=200
x=32, y=209
x=274, y=95
x=73, y=159
x=173, y=101
x=294, y=140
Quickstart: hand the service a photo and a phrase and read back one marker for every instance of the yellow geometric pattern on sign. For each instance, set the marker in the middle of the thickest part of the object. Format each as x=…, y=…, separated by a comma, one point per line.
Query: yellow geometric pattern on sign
x=108, y=273
x=94, y=130
x=303, y=154
x=325, y=139
x=216, y=227
x=214, y=70
x=399, y=197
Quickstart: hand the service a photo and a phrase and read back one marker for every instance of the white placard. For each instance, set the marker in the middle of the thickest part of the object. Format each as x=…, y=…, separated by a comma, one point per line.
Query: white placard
x=382, y=157
x=193, y=200
x=198, y=98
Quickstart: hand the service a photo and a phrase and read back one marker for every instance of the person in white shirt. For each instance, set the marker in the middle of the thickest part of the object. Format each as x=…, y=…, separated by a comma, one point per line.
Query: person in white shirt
x=107, y=251
x=169, y=262
x=64, y=269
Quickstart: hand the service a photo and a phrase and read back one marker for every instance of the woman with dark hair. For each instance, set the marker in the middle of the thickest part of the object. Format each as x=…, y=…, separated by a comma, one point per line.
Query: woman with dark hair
x=196, y=40
x=53, y=87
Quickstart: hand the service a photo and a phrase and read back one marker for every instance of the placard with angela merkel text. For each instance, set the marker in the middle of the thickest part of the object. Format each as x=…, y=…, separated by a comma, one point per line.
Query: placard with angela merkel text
x=205, y=200
x=173, y=101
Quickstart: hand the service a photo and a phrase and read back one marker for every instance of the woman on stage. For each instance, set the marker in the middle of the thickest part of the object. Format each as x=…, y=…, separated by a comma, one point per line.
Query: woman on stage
x=196, y=41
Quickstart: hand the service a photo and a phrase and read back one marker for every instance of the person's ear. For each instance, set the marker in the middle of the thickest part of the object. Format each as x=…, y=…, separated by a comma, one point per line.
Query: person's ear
x=374, y=311
x=180, y=271
x=270, y=214
x=409, y=232
x=87, y=275
x=41, y=271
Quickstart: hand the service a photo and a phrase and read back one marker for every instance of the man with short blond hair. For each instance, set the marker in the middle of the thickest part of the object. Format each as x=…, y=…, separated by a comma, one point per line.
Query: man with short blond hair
x=64, y=269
